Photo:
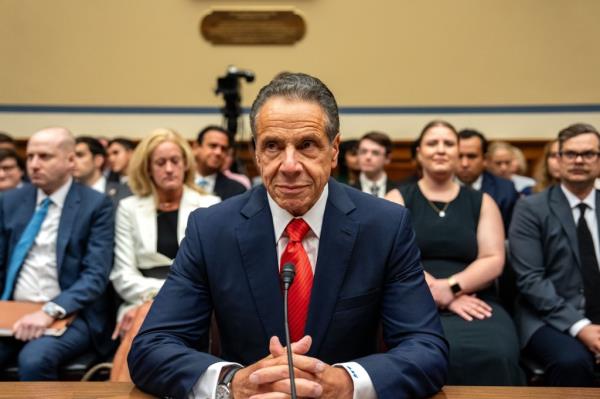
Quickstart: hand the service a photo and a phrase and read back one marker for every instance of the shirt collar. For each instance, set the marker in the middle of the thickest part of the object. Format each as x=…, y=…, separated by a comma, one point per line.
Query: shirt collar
x=314, y=216
x=590, y=200
x=365, y=182
x=100, y=185
x=476, y=185
x=58, y=197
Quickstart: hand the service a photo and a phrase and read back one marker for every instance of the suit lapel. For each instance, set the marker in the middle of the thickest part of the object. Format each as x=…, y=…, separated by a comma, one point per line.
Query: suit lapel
x=560, y=207
x=256, y=240
x=146, y=219
x=67, y=220
x=338, y=235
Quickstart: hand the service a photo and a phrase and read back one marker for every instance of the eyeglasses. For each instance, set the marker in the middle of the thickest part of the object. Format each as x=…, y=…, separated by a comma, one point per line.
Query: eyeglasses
x=588, y=156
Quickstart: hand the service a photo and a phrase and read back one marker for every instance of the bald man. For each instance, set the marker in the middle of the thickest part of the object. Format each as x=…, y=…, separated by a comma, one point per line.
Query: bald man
x=56, y=243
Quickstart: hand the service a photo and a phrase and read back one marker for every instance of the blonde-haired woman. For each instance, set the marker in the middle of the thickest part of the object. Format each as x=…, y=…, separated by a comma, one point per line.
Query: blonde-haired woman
x=547, y=170
x=151, y=223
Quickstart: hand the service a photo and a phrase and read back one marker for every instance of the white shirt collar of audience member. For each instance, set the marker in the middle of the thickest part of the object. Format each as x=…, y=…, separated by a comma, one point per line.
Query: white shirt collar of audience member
x=58, y=197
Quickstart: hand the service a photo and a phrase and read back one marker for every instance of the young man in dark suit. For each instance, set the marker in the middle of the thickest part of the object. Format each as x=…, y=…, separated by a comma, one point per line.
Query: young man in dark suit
x=374, y=153
x=56, y=243
x=554, y=249
x=356, y=264
x=210, y=150
x=471, y=171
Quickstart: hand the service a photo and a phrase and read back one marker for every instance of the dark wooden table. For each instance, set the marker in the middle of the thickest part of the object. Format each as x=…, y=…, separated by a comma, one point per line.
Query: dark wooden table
x=124, y=390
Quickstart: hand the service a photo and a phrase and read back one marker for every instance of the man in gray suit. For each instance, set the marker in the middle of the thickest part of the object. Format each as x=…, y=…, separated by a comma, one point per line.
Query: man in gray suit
x=554, y=251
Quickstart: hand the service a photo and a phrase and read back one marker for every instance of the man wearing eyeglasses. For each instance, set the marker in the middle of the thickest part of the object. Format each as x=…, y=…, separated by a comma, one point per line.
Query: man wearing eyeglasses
x=554, y=250
x=374, y=153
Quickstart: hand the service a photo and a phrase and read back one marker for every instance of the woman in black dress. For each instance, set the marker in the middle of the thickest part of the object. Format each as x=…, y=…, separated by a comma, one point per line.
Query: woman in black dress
x=461, y=237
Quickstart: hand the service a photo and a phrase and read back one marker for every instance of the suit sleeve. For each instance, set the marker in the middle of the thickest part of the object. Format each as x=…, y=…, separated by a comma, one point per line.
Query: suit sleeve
x=528, y=261
x=95, y=262
x=416, y=363
x=165, y=357
x=127, y=279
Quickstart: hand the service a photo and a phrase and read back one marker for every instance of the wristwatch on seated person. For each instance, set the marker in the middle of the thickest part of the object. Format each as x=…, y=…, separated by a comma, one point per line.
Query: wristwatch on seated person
x=454, y=286
x=53, y=310
x=224, y=390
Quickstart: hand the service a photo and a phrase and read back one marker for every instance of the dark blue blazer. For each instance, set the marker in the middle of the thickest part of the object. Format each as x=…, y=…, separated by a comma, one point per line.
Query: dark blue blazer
x=368, y=271
x=503, y=192
x=84, y=249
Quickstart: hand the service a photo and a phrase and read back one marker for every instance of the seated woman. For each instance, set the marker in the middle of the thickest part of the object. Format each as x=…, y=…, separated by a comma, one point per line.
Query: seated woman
x=547, y=170
x=151, y=224
x=461, y=237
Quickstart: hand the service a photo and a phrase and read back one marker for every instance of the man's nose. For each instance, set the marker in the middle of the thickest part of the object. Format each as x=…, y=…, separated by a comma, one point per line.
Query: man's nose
x=290, y=163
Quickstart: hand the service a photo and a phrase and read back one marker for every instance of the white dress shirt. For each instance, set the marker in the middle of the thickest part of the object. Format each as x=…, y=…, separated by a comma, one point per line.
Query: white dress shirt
x=592, y=222
x=38, y=278
x=367, y=185
x=206, y=183
x=100, y=185
x=363, y=386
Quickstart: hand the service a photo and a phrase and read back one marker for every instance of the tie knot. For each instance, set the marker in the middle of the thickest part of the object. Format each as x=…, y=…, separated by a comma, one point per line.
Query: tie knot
x=582, y=208
x=297, y=229
x=45, y=202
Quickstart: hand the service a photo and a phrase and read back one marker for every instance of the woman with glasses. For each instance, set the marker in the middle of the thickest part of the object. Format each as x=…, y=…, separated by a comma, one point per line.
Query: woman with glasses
x=151, y=224
x=461, y=237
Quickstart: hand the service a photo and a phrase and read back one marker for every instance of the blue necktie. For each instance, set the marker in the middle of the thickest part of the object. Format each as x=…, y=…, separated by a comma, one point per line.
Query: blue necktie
x=203, y=183
x=23, y=247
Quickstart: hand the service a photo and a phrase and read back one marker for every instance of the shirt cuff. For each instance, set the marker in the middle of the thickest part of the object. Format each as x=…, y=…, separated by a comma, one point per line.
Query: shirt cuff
x=363, y=386
x=577, y=327
x=206, y=385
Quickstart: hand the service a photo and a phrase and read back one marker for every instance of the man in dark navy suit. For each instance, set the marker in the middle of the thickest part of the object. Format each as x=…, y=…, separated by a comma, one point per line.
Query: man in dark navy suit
x=471, y=171
x=357, y=265
x=63, y=262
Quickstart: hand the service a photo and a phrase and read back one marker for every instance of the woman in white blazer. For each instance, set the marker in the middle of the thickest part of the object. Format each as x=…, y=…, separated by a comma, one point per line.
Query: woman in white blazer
x=151, y=224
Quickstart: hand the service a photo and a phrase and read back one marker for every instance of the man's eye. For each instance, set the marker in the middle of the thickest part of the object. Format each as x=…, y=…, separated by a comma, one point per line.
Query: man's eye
x=307, y=144
x=270, y=146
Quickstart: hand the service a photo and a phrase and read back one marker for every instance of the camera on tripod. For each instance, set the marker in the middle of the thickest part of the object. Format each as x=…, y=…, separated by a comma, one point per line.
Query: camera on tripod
x=229, y=87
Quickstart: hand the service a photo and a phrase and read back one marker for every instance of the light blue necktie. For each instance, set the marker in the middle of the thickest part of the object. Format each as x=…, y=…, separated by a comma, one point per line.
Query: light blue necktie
x=203, y=183
x=23, y=247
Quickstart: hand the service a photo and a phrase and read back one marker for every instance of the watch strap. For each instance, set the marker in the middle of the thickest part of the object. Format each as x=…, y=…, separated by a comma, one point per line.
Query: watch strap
x=228, y=376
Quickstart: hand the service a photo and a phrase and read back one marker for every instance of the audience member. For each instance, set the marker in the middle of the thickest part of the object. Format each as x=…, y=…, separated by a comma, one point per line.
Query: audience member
x=554, y=251
x=374, y=153
x=210, y=150
x=228, y=164
x=459, y=232
x=366, y=271
x=472, y=149
x=547, y=170
x=55, y=247
x=11, y=170
x=348, y=165
x=500, y=159
x=90, y=157
x=119, y=152
x=7, y=142
x=151, y=224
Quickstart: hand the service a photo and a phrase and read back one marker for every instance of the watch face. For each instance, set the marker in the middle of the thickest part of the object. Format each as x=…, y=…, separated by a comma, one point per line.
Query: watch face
x=222, y=392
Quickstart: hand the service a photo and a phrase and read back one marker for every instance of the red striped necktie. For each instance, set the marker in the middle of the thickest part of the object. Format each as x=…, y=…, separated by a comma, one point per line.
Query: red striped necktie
x=299, y=293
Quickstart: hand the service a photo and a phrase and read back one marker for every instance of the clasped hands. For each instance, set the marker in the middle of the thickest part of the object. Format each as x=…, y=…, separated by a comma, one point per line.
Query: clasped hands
x=269, y=377
x=467, y=306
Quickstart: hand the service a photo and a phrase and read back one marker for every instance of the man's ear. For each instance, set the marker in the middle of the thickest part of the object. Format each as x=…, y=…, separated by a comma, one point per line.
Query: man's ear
x=388, y=158
x=99, y=161
x=335, y=144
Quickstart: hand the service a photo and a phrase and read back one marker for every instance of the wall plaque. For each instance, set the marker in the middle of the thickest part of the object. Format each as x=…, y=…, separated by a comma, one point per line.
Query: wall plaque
x=252, y=27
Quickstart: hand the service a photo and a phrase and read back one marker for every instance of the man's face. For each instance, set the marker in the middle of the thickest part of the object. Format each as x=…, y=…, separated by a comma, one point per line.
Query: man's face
x=579, y=162
x=118, y=158
x=293, y=152
x=372, y=158
x=85, y=162
x=49, y=165
x=10, y=174
x=471, y=159
x=500, y=163
x=211, y=153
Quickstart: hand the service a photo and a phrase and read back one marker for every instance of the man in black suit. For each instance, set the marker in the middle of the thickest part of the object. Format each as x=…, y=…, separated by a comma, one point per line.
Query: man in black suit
x=471, y=171
x=210, y=150
x=554, y=250
x=90, y=156
x=374, y=153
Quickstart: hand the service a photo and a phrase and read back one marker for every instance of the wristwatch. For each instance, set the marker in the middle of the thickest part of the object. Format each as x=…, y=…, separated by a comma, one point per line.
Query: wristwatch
x=454, y=285
x=53, y=310
x=224, y=387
